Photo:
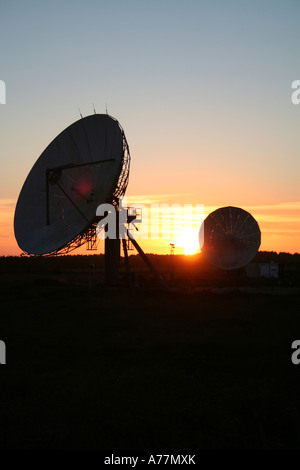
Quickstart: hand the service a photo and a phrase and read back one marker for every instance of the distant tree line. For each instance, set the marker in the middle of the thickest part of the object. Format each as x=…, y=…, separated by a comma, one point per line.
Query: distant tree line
x=71, y=262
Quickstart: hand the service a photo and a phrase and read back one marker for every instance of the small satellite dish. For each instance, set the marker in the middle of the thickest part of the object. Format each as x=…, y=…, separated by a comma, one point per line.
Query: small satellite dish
x=84, y=166
x=231, y=238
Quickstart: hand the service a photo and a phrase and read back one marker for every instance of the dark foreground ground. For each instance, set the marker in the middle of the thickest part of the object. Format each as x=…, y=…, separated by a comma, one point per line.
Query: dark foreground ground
x=141, y=369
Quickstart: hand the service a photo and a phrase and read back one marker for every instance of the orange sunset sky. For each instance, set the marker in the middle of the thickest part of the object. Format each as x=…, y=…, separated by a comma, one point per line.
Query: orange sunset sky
x=202, y=90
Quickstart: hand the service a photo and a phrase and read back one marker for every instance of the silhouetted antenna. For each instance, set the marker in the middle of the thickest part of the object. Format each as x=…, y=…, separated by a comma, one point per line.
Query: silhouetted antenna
x=80, y=113
x=171, y=267
x=94, y=109
x=106, y=108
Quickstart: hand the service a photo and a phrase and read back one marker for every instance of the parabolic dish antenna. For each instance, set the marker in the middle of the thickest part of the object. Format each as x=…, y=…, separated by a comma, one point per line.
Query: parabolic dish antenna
x=231, y=238
x=84, y=166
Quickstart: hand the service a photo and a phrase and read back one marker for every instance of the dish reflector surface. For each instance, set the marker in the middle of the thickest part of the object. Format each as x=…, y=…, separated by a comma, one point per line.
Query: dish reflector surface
x=78, y=171
x=231, y=238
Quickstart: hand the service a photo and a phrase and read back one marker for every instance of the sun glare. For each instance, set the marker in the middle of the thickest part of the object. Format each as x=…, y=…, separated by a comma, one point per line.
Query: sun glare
x=189, y=241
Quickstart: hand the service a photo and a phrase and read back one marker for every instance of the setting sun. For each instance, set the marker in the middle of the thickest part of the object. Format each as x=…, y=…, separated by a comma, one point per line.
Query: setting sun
x=189, y=241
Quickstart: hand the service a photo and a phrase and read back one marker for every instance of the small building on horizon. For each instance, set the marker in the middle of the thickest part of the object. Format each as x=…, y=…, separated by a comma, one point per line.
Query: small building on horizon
x=267, y=270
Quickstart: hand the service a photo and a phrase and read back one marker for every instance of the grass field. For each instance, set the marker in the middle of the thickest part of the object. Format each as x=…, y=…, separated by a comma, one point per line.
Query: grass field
x=141, y=369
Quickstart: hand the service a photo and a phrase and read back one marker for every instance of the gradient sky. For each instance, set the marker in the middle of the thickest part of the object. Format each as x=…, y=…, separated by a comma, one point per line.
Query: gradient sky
x=201, y=88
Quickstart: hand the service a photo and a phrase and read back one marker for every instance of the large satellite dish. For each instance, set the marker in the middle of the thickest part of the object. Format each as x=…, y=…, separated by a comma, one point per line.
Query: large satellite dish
x=231, y=238
x=84, y=166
